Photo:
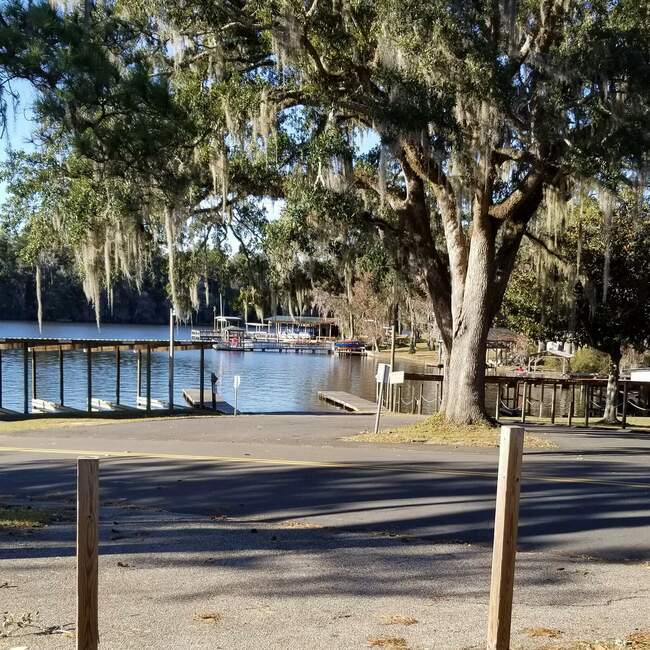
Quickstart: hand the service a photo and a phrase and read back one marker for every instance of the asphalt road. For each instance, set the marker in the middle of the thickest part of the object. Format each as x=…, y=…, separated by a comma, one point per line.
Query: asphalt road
x=590, y=497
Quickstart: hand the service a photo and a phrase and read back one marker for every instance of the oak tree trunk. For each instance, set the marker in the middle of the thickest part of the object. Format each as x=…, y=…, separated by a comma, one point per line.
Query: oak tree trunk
x=611, y=400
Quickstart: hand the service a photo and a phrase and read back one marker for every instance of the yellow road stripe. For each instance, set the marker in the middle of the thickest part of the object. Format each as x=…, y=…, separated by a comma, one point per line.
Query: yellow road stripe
x=310, y=463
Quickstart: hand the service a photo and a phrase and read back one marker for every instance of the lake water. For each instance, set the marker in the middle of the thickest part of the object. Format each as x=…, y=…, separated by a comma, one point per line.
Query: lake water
x=270, y=382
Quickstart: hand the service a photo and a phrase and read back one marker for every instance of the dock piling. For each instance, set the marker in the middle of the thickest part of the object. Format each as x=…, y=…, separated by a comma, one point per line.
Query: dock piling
x=61, y=384
x=89, y=377
x=25, y=379
x=117, y=375
x=148, y=378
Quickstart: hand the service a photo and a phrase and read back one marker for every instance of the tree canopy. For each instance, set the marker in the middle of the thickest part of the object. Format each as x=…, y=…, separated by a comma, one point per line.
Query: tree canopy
x=441, y=127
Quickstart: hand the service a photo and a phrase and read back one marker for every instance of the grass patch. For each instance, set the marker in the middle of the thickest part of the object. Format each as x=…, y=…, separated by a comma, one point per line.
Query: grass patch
x=436, y=430
x=390, y=642
x=37, y=423
x=398, y=619
x=635, y=641
x=25, y=517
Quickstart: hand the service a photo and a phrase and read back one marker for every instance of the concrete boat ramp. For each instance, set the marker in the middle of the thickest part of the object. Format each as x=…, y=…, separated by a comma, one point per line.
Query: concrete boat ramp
x=348, y=401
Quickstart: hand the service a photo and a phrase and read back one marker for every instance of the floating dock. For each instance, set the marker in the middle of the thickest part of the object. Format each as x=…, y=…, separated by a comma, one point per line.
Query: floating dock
x=193, y=398
x=348, y=401
x=104, y=405
x=48, y=406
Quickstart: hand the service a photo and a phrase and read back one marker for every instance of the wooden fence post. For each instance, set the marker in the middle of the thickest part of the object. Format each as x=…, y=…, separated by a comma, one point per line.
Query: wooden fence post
x=505, y=538
x=624, y=413
x=87, y=565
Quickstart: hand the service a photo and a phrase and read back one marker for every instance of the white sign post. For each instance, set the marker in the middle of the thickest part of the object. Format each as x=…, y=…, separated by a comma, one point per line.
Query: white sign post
x=383, y=370
x=236, y=382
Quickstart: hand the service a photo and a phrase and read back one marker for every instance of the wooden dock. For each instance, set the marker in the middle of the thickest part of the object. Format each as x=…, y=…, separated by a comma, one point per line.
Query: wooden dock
x=348, y=401
x=193, y=398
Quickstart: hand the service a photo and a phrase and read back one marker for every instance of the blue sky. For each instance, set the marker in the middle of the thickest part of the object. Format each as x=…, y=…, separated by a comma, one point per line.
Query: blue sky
x=19, y=125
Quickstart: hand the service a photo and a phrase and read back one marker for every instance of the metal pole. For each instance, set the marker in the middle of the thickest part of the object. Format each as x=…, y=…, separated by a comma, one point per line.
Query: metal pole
x=171, y=361
x=381, y=395
x=61, y=378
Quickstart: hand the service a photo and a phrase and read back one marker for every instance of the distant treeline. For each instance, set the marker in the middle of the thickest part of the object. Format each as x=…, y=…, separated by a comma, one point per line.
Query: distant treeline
x=64, y=300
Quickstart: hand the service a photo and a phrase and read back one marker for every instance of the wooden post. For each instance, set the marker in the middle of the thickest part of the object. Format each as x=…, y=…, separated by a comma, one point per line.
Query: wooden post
x=624, y=414
x=497, y=410
x=148, y=378
x=524, y=401
x=541, y=401
x=117, y=375
x=392, y=348
x=33, y=373
x=201, y=376
x=87, y=540
x=61, y=379
x=399, y=398
x=25, y=379
x=89, y=376
x=587, y=403
x=505, y=538
x=553, y=403
x=421, y=399
x=0, y=378
x=572, y=406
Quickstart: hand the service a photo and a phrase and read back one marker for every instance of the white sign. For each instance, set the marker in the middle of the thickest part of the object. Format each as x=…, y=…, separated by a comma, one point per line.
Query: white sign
x=236, y=381
x=396, y=377
x=382, y=372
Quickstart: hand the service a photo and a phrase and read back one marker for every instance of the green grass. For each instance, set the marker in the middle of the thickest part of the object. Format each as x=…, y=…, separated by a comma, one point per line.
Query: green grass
x=24, y=517
x=437, y=431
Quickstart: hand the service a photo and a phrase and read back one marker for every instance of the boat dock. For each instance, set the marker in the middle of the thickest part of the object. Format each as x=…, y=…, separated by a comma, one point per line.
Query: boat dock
x=32, y=347
x=348, y=401
x=194, y=398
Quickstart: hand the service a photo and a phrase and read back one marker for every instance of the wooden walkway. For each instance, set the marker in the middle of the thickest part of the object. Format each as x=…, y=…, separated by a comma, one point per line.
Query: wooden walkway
x=193, y=398
x=348, y=401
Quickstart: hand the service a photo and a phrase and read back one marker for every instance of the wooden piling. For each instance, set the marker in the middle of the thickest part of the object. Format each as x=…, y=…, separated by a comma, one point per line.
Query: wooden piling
x=117, y=375
x=89, y=378
x=505, y=538
x=201, y=375
x=524, y=401
x=541, y=401
x=572, y=406
x=87, y=562
x=170, y=365
x=623, y=415
x=33, y=373
x=25, y=379
x=587, y=403
x=420, y=400
x=0, y=378
x=497, y=410
x=61, y=378
x=148, y=378
x=139, y=372
x=553, y=403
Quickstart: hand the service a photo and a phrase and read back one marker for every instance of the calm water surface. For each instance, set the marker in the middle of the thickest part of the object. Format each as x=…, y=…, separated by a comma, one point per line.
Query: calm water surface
x=269, y=381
